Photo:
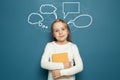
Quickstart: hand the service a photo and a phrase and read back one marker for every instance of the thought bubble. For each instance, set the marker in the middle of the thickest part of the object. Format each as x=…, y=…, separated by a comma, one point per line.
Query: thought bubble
x=48, y=9
x=70, y=8
x=35, y=18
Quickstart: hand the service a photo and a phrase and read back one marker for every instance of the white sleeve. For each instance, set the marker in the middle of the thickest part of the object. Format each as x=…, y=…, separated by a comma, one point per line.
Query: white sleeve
x=78, y=63
x=45, y=61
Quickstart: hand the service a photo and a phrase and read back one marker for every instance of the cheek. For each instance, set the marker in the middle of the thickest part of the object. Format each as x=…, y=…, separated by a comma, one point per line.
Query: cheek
x=67, y=33
x=55, y=34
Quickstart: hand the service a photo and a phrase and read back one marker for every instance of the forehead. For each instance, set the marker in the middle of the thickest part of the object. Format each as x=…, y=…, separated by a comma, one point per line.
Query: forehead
x=59, y=25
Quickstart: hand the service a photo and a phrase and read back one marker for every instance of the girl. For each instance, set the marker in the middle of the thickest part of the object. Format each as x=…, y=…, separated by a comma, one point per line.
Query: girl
x=61, y=44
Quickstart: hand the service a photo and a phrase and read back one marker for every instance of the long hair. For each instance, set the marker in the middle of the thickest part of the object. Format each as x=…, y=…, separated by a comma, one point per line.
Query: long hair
x=69, y=33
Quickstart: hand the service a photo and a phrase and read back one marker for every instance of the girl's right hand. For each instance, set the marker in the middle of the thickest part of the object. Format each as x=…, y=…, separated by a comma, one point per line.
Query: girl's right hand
x=67, y=65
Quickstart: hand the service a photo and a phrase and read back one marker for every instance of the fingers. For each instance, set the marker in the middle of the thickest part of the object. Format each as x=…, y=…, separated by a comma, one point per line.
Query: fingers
x=67, y=65
x=56, y=73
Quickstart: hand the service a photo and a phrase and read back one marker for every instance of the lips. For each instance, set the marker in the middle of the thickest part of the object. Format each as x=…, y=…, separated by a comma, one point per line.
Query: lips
x=61, y=36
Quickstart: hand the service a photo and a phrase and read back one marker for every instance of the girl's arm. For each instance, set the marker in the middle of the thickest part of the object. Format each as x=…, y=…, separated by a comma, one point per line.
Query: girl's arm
x=45, y=61
x=78, y=64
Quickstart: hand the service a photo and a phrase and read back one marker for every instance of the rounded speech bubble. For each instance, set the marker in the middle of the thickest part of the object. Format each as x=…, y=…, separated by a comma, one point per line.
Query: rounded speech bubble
x=77, y=19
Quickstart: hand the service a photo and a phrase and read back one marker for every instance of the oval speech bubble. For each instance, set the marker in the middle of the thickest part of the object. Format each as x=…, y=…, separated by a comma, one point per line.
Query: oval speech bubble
x=77, y=19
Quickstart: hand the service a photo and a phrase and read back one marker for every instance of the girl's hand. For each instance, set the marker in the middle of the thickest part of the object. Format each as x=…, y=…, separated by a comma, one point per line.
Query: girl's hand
x=67, y=65
x=56, y=73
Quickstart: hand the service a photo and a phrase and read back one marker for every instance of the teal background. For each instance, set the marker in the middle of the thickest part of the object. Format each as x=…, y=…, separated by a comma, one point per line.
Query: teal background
x=22, y=44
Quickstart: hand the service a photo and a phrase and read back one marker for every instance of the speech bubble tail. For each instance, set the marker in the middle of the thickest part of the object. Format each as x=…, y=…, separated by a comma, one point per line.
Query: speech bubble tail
x=64, y=15
x=40, y=24
x=71, y=21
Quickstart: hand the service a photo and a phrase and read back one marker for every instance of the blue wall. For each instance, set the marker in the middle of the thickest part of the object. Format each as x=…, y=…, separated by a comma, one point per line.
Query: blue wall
x=22, y=43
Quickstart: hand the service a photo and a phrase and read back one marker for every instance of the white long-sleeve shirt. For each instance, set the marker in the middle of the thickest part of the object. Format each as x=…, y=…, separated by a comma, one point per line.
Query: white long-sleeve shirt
x=73, y=56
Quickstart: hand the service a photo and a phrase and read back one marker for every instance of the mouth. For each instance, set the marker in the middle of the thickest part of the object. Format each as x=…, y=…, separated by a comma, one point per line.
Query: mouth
x=61, y=36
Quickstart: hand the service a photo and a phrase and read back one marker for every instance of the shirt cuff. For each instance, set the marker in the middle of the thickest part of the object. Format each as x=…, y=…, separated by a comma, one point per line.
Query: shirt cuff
x=62, y=65
x=62, y=72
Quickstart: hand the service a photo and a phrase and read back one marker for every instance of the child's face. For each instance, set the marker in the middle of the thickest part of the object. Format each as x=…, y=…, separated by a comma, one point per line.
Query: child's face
x=60, y=31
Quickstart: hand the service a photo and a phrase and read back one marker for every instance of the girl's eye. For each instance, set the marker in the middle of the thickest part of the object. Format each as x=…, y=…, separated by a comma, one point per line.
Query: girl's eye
x=56, y=30
x=63, y=29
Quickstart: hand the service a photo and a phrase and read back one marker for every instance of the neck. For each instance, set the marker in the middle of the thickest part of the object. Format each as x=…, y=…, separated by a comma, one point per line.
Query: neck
x=62, y=42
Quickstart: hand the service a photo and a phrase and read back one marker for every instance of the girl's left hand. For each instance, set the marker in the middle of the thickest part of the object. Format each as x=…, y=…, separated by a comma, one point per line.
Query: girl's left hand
x=56, y=73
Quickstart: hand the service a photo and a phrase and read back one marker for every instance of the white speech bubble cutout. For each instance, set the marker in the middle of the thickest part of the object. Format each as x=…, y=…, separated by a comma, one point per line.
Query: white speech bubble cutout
x=72, y=5
x=39, y=22
x=83, y=15
x=48, y=5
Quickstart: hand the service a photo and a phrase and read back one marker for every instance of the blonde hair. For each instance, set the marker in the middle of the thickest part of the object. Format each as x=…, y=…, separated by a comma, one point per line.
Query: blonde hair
x=60, y=20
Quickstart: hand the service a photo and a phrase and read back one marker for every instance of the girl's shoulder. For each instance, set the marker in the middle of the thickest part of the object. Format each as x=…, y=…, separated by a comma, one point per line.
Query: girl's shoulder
x=73, y=44
x=49, y=43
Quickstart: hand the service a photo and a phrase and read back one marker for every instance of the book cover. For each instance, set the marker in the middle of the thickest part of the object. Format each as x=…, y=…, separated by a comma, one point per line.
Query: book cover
x=60, y=57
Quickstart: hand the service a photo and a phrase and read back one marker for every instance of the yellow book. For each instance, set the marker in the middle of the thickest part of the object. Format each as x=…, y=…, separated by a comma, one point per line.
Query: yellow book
x=60, y=57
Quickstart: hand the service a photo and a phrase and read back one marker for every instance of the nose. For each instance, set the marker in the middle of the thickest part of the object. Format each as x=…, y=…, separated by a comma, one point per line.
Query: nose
x=60, y=32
